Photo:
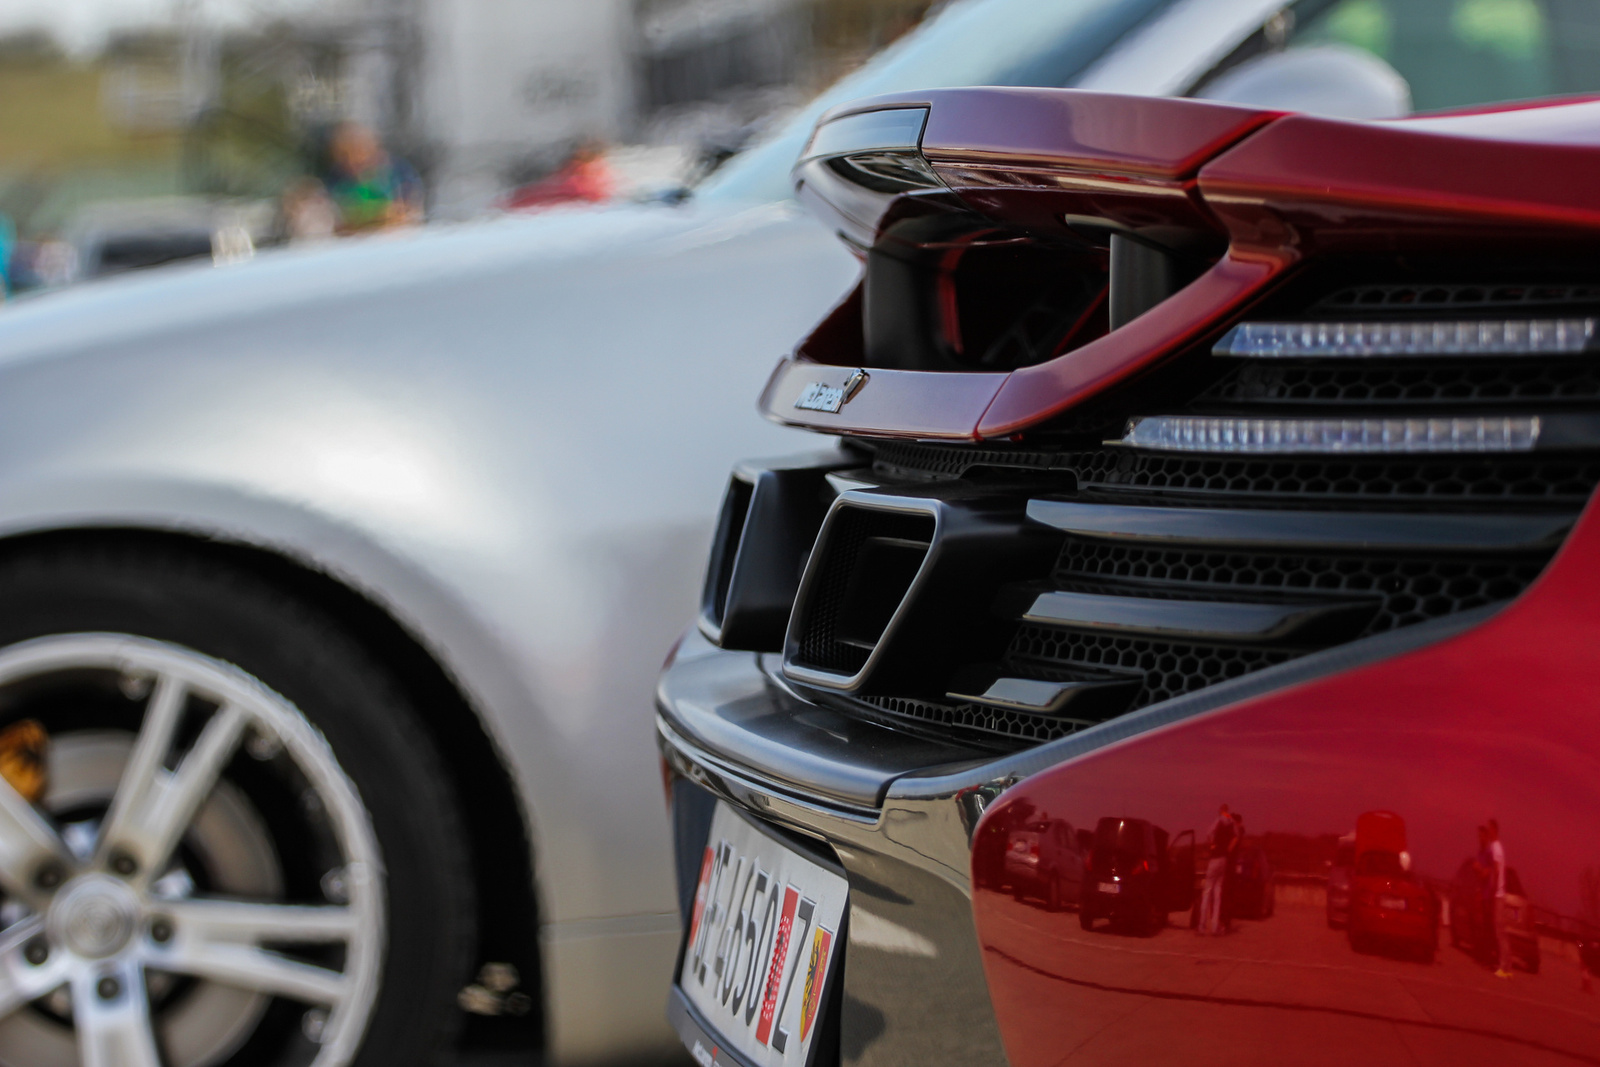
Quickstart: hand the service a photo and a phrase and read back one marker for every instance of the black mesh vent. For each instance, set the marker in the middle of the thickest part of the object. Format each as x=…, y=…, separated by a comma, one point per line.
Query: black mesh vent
x=1455, y=298
x=930, y=462
x=1012, y=725
x=1410, y=589
x=1170, y=668
x=1290, y=480
x=848, y=602
x=1457, y=383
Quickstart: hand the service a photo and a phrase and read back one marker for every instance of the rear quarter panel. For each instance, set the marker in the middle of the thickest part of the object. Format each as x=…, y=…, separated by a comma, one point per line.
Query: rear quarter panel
x=1499, y=721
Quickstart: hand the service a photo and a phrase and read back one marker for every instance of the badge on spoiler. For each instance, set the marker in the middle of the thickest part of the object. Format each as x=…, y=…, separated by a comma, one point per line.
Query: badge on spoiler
x=819, y=396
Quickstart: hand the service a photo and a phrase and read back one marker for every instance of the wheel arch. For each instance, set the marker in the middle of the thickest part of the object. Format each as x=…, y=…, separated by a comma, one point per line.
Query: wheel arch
x=494, y=807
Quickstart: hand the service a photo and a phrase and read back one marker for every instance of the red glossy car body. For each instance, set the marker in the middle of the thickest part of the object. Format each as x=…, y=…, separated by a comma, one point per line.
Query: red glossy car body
x=1415, y=736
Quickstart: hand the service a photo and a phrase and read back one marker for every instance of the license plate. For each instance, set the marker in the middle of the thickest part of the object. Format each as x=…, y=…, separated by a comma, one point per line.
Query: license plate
x=1392, y=903
x=1110, y=887
x=762, y=942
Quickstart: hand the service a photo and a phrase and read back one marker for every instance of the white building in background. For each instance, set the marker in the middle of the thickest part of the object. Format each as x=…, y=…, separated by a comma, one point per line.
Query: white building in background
x=488, y=92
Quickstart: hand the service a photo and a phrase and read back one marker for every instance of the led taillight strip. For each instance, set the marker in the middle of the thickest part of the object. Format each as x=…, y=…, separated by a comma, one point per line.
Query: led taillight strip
x=1256, y=436
x=1354, y=340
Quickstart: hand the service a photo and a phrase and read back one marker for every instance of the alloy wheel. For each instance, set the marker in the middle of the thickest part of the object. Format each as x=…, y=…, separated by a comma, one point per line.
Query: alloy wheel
x=147, y=924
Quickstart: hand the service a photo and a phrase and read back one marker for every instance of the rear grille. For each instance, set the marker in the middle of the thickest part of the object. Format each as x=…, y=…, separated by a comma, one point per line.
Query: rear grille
x=1463, y=383
x=1168, y=668
x=1310, y=479
x=1179, y=571
x=1405, y=590
x=967, y=718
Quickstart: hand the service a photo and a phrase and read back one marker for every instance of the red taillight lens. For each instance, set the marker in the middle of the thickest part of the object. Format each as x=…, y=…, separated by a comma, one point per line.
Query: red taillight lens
x=1142, y=867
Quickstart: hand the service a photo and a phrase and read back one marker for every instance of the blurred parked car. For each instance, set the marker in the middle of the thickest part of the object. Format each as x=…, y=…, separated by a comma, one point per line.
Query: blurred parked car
x=388, y=538
x=1136, y=875
x=1044, y=861
x=122, y=235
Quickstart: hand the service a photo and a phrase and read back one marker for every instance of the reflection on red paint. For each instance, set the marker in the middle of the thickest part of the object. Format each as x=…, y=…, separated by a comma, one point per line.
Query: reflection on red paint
x=1365, y=792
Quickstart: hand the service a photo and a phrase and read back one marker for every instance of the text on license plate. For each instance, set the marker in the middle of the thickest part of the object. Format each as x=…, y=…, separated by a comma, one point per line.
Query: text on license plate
x=762, y=940
x=1110, y=887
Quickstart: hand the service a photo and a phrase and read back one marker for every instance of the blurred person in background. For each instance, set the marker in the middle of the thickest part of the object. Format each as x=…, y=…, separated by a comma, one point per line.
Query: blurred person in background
x=586, y=177
x=370, y=189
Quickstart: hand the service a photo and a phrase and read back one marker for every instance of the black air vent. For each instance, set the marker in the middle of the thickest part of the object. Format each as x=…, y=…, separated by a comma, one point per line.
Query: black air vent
x=725, y=548
x=868, y=560
x=770, y=517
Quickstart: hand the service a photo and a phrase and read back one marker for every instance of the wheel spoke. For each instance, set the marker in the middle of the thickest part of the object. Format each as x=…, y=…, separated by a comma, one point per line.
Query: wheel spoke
x=113, y=1031
x=240, y=922
x=152, y=806
x=28, y=844
x=21, y=981
x=254, y=968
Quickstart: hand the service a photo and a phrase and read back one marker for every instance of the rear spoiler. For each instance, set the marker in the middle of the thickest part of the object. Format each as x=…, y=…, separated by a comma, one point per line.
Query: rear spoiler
x=1146, y=172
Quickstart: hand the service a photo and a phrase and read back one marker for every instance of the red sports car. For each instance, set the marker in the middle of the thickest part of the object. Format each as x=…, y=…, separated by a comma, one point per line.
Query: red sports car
x=1193, y=457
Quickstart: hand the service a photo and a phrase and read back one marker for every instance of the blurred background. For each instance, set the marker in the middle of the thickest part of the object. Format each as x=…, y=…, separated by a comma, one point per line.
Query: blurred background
x=143, y=131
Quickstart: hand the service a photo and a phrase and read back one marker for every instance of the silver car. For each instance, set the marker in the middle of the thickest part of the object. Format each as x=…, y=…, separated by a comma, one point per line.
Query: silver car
x=333, y=588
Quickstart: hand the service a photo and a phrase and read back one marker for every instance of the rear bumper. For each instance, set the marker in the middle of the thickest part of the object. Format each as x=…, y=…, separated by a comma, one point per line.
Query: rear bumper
x=896, y=811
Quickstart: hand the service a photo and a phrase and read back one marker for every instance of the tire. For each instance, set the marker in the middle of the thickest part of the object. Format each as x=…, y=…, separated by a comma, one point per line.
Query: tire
x=1085, y=918
x=343, y=726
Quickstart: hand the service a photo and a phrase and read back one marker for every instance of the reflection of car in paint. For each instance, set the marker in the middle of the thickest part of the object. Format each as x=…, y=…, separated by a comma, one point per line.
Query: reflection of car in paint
x=1339, y=874
x=1043, y=862
x=1135, y=875
x=1472, y=918
x=1251, y=889
x=1390, y=907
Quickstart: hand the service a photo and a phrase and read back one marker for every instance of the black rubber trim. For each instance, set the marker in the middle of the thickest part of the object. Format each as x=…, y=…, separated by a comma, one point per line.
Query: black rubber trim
x=1310, y=529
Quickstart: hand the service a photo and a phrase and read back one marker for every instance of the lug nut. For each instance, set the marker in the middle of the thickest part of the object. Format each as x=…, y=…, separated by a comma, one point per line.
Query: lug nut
x=108, y=988
x=160, y=931
x=124, y=864
x=314, y=1024
x=49, y=876
x=36, y=951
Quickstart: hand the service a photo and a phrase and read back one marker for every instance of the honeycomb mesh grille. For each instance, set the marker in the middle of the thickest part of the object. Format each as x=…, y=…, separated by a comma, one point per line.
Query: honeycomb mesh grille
x=1408, y=589
x=1288, y=480
x=1169, y=668
x=973, y=718
x=1465, y=382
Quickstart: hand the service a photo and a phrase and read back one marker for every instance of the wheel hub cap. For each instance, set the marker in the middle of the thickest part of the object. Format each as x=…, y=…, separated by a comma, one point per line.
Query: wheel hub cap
x=95, y=916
